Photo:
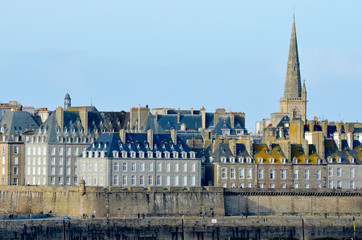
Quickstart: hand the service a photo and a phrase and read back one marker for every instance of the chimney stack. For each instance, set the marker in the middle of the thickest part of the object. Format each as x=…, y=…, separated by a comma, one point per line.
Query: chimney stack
x=150, y=138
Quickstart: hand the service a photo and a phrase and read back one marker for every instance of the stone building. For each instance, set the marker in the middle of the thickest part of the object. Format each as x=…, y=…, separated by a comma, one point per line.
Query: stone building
x=13, y=126
x=52, y=151
x=139, y=159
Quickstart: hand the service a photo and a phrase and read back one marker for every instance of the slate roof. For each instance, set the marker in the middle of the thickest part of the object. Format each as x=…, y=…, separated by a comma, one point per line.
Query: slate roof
x=331, y=151
x=262, y=151
x=16, y=123
x=137, y=142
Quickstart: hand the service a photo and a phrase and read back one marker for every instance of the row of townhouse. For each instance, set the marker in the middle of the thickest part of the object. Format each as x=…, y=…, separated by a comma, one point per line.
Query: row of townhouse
x=283, y=165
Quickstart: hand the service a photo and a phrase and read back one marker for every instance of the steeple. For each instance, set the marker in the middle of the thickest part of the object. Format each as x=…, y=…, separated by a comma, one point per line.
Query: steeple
x=293, y=86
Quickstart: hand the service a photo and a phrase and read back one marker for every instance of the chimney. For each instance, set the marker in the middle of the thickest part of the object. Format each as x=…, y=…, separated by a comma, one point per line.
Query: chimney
x=338, y=140
x=183, y=127
x=203, y=117
x=232, y=120
x=281, y=133
x=286, y=148
x=350, y=140
x=269, y=145
x=122, y=135
x=60, y=117
x=174, y=136
x=83, y=114
x=150, y=138
x=192, y=111
x=232, y=146
x=305, y=146
x=178, y=116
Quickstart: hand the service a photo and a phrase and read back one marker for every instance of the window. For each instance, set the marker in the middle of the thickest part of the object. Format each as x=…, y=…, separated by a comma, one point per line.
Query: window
x=223, y=173
x=295, y=185
x=295, y=174
x=158, y=180
x=232, y=173
x=232, y=160
x=16, y=170
x=184, y=180
x=176, y=181
x=318, y=161
x=351, y=172
x=68, y=170
x=306, y=174
x=69, y=151
x=142, y=166
x=52, y=180
x=67, y=180
x=260, y=160
x=115, y=166
x=133, y=180
x=271, y=160
x=150, y=167
x=272, y=185
x=60, y=180
x=193, y=181
x=330, y=172
x=232, y=185
x=167, y=180
x=351, y=184
x=185, y=167
x=67, y=161
x=241, y=173
x=60, y=161
x=319, y=174
x=176, y=167
x=261, y=185
x=16, y=160
x=60, y=171
x=124, y=180
x=224, y=184
x=306, y=186
x=16, y=149
x=115, y=180
x=60, y=150
x=3, y=160
x=272, y=174
x=284, y=185
x=339, y=184
x=339, y=172
x=76, y=151
x=283, y=174
x=52, y=170
x=242, y=185
x=330, y=184
x=319, y=186
x=52, y=150
x=3, y=149
x=306, y=161
x=16, y=181
x=283, y=161
x=150, y=180
x=124, y=166
x=261, y=173
x=159, y=167
x=249, y=184
x=249, y=173
x=142, y=180
x=193, y=167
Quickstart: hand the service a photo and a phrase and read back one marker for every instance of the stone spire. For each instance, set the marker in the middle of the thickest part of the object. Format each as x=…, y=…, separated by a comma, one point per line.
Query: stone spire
x=292, y=87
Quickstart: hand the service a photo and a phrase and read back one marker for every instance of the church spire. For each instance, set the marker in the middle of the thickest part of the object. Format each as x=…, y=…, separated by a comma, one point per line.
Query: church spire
x=293, y=86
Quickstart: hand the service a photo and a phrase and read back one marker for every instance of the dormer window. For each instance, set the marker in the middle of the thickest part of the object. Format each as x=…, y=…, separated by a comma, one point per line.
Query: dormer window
x=241, y=160
x=232, y=160
x=96, y=154
x=271, y=160
x=133, y=154
x=158, y=154
x=90, y=154
x=141, y=154
x=283, y=160
x=167, y=155
x=73, y=130
x=339, y=160
x=124, y=154
x=192, y=155
x=150, y=154
x=223, y=159
x=184, y=155
x=260, y=160
x=102, y=153
x=249, y=160
x=330, y=160
x=68, y=139
x=295, y=160
x=351, y=160
x=175, y=154
x=318, y=161
x=306, y=161
x=115, y=154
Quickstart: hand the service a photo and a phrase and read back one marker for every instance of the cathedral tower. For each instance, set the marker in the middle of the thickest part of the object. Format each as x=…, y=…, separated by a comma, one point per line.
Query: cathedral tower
x=294, y=101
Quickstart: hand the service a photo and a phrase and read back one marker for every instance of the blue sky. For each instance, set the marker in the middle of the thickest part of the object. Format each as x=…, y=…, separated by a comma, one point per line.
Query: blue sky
x=163, y=53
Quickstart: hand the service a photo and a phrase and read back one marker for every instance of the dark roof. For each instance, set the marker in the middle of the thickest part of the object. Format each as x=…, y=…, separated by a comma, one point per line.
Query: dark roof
x=15, y=123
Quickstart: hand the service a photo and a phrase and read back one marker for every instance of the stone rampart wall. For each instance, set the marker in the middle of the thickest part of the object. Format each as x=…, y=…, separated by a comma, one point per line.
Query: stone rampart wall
x=119, y=202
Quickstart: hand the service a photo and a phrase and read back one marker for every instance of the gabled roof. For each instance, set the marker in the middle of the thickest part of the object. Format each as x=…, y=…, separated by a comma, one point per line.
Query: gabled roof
x=15, y=123
x=262, y=151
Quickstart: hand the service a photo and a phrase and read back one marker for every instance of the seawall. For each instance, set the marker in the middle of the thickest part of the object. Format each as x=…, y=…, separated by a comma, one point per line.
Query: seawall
x=120, y=202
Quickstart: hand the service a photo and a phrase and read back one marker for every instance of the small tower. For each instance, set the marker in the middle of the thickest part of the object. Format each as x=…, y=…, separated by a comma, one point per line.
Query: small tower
x=67, y=101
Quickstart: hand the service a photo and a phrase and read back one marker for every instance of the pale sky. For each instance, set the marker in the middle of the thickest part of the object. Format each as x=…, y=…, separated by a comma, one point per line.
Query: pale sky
x=181, y=54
